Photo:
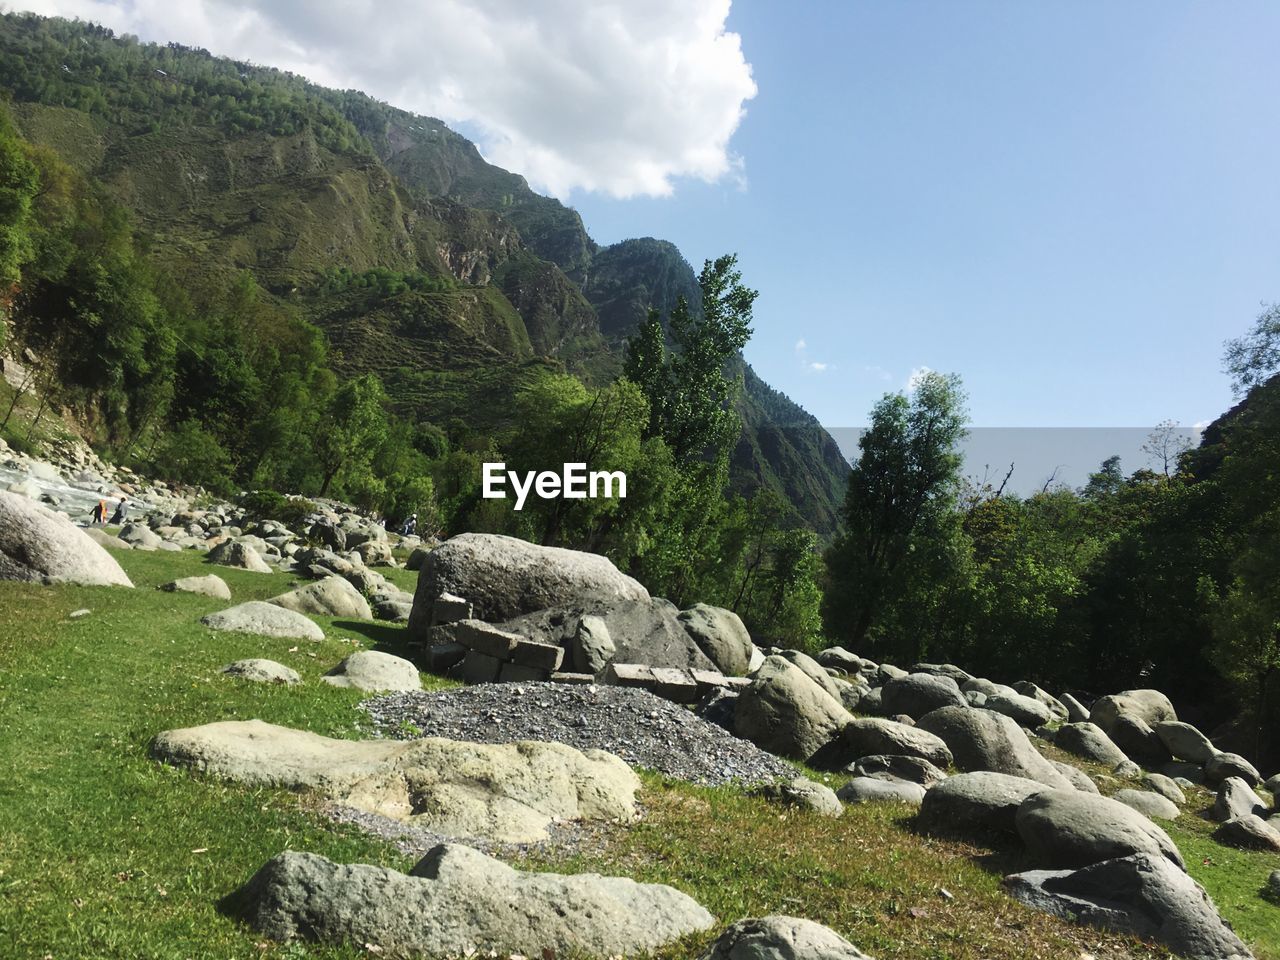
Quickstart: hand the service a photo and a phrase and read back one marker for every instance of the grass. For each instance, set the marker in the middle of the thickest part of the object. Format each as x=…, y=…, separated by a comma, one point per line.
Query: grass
x=105, y=853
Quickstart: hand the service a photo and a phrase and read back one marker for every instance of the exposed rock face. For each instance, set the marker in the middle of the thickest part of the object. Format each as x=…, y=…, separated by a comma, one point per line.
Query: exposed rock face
x=37, y=544
x=261, y=671
x=985, y=740
x=721, y=635
x=919, y=693
x=506, y=792
x=1149, y=706
x=264, y=619
x=969, y=803
x=1088, y=740
x=330, y=597
x=504, y=577
x=1142, y=894
x=1068, y=828
x=374, y=670
x=242, y=556
x=785, y=712
x=868, y=736
x=781, y=938
x=459, y=902
x=211, y=585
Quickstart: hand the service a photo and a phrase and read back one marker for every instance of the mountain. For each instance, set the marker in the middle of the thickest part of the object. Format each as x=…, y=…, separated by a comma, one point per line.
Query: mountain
x=478, y=282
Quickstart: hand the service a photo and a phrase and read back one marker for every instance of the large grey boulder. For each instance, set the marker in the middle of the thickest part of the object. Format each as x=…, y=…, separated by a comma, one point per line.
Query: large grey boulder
x=459, y=902
x=783, y=711
x=721, y=635
x=1077, y=712
x=781, y=938
x=1078, y=778
x=505, y=792
x=1149, y=706
x=1223, y=765
x=261, y=671
x=1236, y=799
x=1057, y=709
x=869, y=736
x=919, y=693
x=815, y=672
x=264, y=619
x=505, y=577
x=104, y=539
x=985, y=740
x=1148, y=803
x=591, y=647
x=211, y=585
x=374, y=670
x=330, y=597
x=1142, y=894
x=37, y=544
x=874, y=789
x=1068, y=828
x=898, y=767
x=1088, y=740
x=1024, y=711
x=1165, y=786
x=969, y=803
x=806, y=794
x=1135, y=737
x=140, y=536
x=1249, y=832
x=1184, y=741
x=242, y=556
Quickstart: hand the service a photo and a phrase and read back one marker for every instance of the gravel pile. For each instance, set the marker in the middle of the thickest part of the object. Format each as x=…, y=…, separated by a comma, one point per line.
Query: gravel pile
x=642, y=729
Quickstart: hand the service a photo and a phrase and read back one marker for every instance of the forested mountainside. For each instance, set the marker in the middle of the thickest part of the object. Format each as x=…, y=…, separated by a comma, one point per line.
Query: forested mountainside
x=443, y=274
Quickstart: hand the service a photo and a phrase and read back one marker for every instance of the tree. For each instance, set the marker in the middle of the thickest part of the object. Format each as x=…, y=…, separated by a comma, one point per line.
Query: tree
x=1106, y=482
x=1165, y=446
x=352, y=429
x=19, y=183
x=900, y=492
x=1251, y=359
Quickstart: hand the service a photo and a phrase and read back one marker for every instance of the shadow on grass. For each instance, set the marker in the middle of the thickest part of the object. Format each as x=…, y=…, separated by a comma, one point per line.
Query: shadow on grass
x=385, y=637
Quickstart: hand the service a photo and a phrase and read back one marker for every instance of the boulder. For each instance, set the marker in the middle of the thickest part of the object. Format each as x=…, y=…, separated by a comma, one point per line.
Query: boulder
x=1057, y=709
x=1223, y=765
x=806, y=794
x=1143, y=895
x=374, y=670
x=1149, y=706
x=1236, y=799
x=1249, y=832
x=721, y=635
x=980, y=802
x=814, y=671
x=1148, y=803
x=210, y=585
x=1138, y=741
x=1068, y=828
x=898, y=767
x=783, y=711
x=988, y=688
x=1077, y=712
x=943, y=670
x=975, y=698
x=873, y=789
x=1024, y=711
x=37, y=544
x=264, y=619
x=505, y=577
x=139, y=536
x=591, y=648
x=1088, y=740
x=985, y=740
x=417, y=557
x=1164, y=786
x=869, y=736
x=1183, y=741
x=843, y=659
x=104, y=539
x=233, y=553
x=392, y=611
x=509, y=793
x=919, y=693
x=376, y=553
x=330, y=597
x=781, y=938
x=459, y=902
x=1078, y=778
x=262, y=671
x=886, y=672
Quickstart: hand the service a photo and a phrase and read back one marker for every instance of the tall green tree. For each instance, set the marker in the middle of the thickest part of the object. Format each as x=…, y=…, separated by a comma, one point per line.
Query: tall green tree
x=352, y=431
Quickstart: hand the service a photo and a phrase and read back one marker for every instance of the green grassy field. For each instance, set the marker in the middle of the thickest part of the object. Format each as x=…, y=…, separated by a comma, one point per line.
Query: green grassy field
x=105, y=853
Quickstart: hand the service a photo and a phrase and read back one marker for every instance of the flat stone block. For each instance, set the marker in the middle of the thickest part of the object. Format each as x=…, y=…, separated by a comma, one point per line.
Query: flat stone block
x=544, y=656
x=481, y=637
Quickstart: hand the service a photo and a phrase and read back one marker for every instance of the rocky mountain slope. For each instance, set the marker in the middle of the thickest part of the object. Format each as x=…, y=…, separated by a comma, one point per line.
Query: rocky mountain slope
x=231, y=167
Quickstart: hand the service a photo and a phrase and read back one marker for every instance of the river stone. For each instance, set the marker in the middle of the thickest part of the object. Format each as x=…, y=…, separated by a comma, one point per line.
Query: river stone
x=806, y=794
x=1249, y=832
x=873, y=789
x=1149, y=706
x=985, y=740
x=505, y=577
x=261, y=671
x=508, y=792
x=242, y=556
x=1236, y=799
x=781, y=938
x=1079, y=779
x=104, y=539
x=1024, y=711
x=1164, y=786
x=920, y=693
x=38, y=544
x=898, y=767
x=814, y=671
x=957, y=674
x=1143, y=895
x=459, y=902
x=330, y=597
x=1138, y=741
x=1068, y=828
x=1223, y=765
x=591, y=647
x=783, y=711
x=264, y=619
x=211, y=585
x=872, y=736
x=1057, y=709
x=1184, y=741
x=1077, y=712
x=374, y=670
x=988, y=688
x=976, y=802
x=1148, y=803
x=721, y=635
x=1088, y=740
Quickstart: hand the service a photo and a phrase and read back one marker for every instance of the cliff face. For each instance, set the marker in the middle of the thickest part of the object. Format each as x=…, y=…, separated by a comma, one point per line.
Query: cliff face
x=230, y=167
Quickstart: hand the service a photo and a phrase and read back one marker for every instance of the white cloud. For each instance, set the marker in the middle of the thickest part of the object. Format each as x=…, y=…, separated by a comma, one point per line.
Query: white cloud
x=601, y=95
x=880, y=373
x=916, y=375
x=800, y=346
x=810, y=366
x=817, y=367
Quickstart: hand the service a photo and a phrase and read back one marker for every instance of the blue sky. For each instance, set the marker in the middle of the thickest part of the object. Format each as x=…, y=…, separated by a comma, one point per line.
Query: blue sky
x=1070, y=204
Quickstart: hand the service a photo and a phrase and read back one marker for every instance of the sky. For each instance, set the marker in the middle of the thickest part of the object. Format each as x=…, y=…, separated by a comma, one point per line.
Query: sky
x=1070, y=204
